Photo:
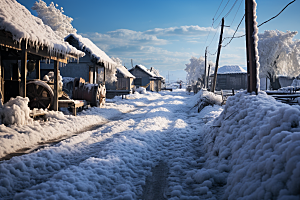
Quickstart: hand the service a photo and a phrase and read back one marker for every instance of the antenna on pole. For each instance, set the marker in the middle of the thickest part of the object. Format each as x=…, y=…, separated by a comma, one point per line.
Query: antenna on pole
x=131, y=63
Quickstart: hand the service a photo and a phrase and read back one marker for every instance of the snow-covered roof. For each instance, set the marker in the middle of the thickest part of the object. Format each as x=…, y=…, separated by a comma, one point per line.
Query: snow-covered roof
x=123, y=70
x=88, y=46
x=17, y=19
x=231, y=69
x=156, y=72
x=142, y=67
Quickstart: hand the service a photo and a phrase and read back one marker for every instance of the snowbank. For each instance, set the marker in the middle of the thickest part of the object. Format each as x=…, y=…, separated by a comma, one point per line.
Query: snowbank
x=253, y=149
x=204, y=98
x=15, y=111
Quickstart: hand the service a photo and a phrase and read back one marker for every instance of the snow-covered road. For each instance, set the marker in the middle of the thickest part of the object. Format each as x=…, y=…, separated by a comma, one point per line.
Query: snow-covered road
x=113, y=162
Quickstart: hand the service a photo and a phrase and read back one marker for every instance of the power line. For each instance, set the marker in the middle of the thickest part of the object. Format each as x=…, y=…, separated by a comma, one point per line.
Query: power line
x=236, y=12
x=230, y=9
x=259, y=24
x=223, y=9
x=277, y=14
x=217, y=10
x=234, y=32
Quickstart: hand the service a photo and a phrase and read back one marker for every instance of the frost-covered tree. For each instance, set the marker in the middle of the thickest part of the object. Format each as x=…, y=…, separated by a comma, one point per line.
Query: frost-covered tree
x=117, y=60
x=54, y=17
x=279, y=54
x=196, y=69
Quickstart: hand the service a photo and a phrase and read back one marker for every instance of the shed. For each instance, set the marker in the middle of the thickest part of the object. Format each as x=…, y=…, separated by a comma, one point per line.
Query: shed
x=125, y=78
x=231, y=77
x=25, y=39
x=146, y=78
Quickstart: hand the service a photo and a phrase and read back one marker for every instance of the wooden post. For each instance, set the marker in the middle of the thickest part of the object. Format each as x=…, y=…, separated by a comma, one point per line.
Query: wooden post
x=38, y=69
x=208, y=75
x=218, y=55
x=1, y=86
x=23, y=69
x=205, y=69
x=55, y=98
x=250, y=46
x=94, y=73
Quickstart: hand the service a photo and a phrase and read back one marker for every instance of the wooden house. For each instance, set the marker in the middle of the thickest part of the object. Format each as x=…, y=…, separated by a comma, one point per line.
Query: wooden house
x=230, y=77
x=93, y=66
x=146, y=78
x=24, y=41
x=125, y=79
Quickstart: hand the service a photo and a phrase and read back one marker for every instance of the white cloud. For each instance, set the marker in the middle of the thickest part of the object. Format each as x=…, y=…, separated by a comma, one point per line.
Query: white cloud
x=163, y=48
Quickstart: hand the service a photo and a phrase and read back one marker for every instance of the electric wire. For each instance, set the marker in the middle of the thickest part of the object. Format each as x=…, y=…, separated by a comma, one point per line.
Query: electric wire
x=222, y=10
x=258, y=25
x=230, y=9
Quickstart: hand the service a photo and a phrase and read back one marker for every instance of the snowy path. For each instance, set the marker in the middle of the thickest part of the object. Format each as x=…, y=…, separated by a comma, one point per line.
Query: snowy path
x=159, y=140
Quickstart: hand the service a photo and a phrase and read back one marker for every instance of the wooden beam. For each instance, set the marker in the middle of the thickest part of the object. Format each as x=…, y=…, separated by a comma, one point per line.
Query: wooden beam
x=37, y=69
x=94, y=73
x=7, y=41
x=55, y=98
x=1, y=86
x=23, y=69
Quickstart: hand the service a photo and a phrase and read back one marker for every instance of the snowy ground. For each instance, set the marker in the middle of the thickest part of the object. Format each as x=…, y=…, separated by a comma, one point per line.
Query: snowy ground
x=157, y=146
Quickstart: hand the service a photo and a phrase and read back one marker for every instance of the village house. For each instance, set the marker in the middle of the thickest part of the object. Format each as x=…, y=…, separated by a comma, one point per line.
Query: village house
x=24, y=42
x=150, y=79
x=230, y=77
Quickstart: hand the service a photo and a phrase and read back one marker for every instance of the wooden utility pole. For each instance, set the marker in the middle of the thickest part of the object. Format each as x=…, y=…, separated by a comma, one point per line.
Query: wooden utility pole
x=208, y=75
x=205, y=69
x=218, y=55
x=251, y=46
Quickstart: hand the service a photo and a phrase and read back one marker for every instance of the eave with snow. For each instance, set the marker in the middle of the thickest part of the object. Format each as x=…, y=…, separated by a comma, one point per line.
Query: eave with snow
x=25, y=37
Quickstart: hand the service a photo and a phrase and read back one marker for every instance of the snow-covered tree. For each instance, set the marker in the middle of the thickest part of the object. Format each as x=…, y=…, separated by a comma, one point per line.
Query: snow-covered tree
x=196, y=69
x=54, y=17
x=279, y=54
x=117, y=60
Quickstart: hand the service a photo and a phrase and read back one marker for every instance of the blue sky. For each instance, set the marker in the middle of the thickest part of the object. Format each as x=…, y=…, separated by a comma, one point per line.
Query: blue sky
x=164, y=34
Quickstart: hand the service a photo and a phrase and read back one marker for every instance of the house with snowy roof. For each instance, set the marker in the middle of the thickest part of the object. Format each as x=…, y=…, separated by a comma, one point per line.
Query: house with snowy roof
x=24, y=41
x=95, y=67
x=230, y=77
x=125, y=78
x=148, y=78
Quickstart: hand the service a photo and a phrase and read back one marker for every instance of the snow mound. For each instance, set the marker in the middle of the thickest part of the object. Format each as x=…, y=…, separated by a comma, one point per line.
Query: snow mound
x=141, y=90
x=16, y=111
x=230, y=69
x=254, y=144
x=204, y=98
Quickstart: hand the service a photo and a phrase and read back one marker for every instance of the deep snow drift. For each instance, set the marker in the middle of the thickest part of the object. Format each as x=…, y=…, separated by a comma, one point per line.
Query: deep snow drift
x=249, y=151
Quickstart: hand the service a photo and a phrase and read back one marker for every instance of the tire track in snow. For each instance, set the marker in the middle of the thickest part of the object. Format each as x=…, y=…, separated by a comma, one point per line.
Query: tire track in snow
x=62, y=160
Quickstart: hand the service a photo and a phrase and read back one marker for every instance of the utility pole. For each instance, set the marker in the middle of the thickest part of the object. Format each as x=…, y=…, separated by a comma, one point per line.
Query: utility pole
x=251, y=45
x=205, y=73
x=218, y=55
x=207, y=76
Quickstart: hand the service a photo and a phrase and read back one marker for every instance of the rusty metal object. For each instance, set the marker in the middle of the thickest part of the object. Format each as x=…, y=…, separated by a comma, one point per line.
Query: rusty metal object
x=40, y=94
x=93, y=93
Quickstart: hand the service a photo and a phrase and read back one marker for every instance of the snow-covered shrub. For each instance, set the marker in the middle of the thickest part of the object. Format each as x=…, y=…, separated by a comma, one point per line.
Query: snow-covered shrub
x=16, y=111
x=255, y=143
x=55, y=115
x=204, y=98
